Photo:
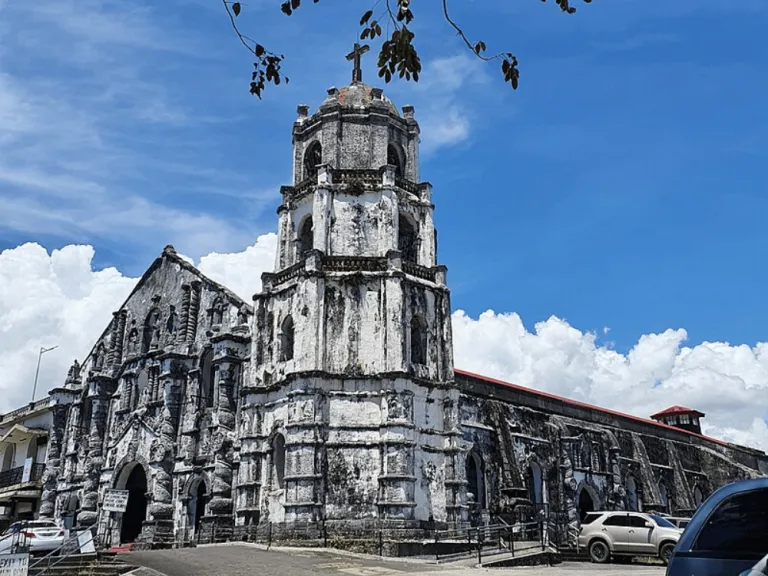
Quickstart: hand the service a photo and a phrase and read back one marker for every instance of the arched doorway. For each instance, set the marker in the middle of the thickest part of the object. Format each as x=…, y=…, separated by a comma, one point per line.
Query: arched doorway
x=197, y=505
x=586, y=502
x=536, y=486
x=136, y=512
x=632, y=499
x=476, y=480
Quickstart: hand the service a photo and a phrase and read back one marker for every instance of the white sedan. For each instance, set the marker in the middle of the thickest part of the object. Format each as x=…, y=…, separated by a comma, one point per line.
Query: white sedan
x=40, y=535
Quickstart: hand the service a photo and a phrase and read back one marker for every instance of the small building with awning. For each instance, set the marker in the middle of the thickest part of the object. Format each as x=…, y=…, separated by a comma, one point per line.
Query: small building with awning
x=23, y=448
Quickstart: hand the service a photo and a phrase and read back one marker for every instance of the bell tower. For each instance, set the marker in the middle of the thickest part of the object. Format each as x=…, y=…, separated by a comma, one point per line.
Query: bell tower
x=351, y=405
x=361, y=291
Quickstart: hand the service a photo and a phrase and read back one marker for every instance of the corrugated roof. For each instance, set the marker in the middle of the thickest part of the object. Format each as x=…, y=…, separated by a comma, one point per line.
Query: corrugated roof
x=677, y=410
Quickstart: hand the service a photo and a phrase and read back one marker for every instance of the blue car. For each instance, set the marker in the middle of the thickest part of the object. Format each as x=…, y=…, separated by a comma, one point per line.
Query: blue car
x=728, y=535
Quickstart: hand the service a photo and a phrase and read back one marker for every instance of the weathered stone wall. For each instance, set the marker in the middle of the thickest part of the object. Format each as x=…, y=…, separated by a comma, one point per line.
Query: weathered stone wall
x=355, y=449
x=541, y=450
x=140, y=397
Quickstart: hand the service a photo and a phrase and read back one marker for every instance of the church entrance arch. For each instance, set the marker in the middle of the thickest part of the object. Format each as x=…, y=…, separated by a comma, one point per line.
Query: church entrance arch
x=587, y=501
x=199, y=497
x=134, y=479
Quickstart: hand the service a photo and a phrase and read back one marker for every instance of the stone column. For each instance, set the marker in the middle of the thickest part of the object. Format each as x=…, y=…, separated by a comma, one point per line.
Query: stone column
x=194, y=310
x=189, y=423
x=115, y=357
x=53, y=461
x=94, y=461
x=162, y=461
x=221, y=505
x=185, y=301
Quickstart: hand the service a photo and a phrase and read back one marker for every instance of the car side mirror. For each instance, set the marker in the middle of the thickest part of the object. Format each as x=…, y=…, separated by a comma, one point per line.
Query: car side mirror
x=648, y=524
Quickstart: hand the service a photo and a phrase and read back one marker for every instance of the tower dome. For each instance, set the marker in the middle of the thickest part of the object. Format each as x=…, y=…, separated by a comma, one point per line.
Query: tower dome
x=358, y=96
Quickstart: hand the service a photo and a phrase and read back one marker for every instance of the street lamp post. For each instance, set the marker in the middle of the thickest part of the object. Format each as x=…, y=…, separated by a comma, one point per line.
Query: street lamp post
x=37, y=372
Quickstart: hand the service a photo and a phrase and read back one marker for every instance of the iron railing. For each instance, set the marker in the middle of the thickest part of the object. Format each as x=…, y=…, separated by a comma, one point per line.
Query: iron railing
x=15, y=475
x=490, y=540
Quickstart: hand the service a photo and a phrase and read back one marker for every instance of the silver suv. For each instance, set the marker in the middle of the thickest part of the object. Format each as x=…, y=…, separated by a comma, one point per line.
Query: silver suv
x=606, y=534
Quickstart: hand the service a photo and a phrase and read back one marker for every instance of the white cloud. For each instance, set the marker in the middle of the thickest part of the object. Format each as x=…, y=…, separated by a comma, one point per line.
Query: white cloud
x=83, y=130
x=59, y=298
x=443, y=114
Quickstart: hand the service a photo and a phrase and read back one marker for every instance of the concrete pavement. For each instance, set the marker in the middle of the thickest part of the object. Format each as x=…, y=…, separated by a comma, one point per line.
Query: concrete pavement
x=249, y=559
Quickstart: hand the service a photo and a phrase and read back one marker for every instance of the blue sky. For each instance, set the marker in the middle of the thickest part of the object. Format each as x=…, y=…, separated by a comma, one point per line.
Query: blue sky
x=622, y=185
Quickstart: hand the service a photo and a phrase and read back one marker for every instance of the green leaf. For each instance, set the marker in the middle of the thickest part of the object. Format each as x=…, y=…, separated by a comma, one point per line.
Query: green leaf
x=236, y=8
x=366, y=17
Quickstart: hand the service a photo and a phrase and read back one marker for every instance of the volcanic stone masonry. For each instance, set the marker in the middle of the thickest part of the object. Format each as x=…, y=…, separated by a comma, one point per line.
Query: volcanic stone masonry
x=329, y=407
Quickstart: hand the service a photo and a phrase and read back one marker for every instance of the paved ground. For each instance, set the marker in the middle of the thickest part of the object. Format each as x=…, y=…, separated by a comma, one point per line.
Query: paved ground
x=245, y=560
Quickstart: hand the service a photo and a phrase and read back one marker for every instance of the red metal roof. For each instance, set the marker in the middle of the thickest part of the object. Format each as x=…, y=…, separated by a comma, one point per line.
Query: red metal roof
x=584, y=405
x=677, y=410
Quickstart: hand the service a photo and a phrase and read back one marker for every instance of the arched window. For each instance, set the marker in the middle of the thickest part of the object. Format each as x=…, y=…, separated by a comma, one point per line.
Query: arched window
x=698, y=496
x=476, y=479
x=8, y=457
x=208, y=379
x=313, y=157
x=305, y=236
x=151, y=331
x=418, y=341
x=406, y=239
x=278, y=460
x=286, y=339
x=395, y=158
x=86, y=411
x=633, y=503
x=663, y=497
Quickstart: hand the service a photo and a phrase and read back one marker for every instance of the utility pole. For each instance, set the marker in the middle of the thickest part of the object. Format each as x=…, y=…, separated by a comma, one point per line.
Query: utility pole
x=37, y=372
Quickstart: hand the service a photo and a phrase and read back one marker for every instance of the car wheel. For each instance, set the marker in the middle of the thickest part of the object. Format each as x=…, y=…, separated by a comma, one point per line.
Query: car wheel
x=666, y=552
x=599, y=552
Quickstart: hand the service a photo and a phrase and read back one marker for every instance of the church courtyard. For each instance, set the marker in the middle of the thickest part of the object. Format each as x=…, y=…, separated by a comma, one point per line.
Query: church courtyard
x=240, y=560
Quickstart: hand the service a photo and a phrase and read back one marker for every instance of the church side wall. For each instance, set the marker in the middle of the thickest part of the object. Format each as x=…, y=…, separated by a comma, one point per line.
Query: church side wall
x=534, y=453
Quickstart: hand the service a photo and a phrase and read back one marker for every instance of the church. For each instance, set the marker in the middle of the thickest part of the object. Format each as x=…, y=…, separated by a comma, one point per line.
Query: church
x=330, y=402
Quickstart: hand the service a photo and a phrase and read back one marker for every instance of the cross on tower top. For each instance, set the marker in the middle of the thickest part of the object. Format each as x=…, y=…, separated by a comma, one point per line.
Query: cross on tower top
x=357, y=52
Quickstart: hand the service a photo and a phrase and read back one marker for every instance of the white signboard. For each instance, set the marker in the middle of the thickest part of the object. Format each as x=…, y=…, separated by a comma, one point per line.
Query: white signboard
x=14, y=564
x=27, y=473
x=115, y=501
x=85, y=539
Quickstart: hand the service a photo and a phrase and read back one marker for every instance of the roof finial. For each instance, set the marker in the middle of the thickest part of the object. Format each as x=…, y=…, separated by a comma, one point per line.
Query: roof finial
x=357, y=52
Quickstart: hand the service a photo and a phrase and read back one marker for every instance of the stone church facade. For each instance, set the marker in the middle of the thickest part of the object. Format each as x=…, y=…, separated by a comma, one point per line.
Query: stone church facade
x=330, y=401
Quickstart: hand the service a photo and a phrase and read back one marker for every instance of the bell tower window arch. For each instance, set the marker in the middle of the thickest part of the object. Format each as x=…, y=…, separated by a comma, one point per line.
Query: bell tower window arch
x=306, y=236
x=286, y=339
x=407, y=239
x=418, y=341
x=396, y=158
x=313, y=157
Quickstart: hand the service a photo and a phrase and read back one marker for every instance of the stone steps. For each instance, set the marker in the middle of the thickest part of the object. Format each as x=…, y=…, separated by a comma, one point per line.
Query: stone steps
x=103, y=564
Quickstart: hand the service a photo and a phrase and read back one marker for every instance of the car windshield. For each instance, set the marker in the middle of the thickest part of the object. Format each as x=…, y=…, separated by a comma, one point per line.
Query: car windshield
x=42, y=524
x=663, y=522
